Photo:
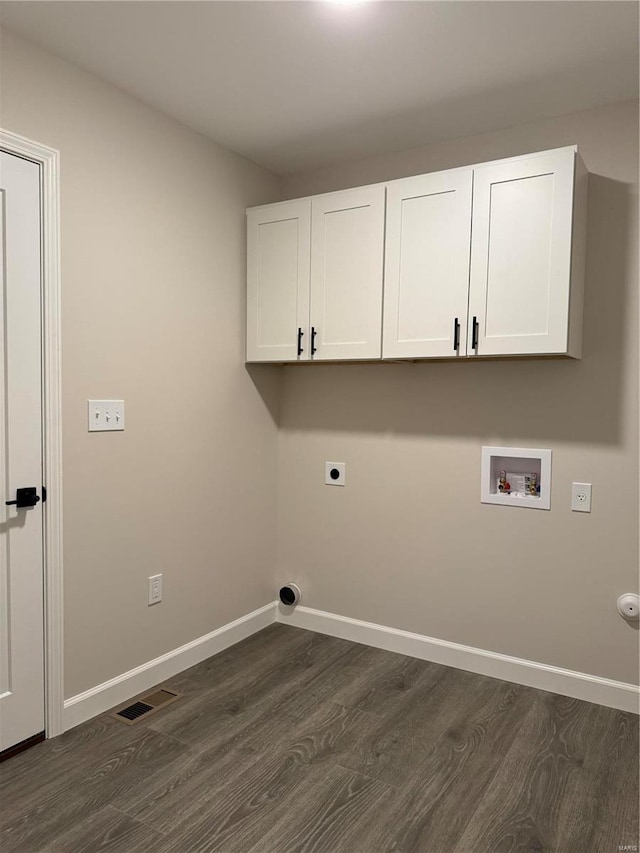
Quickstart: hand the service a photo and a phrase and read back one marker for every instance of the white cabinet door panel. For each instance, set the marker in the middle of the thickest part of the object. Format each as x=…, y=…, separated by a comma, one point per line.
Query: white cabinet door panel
x=278, y=259
x=347, y=249
x=428, y=240
x=521, y=255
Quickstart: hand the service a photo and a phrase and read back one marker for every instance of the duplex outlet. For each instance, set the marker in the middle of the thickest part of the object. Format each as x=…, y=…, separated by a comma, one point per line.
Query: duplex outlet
x=155, y=589
x=581, y=497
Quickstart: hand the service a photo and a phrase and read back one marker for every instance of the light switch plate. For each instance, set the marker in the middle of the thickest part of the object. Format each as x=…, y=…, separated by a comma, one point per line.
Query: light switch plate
x=581, y=497
x=106, y=415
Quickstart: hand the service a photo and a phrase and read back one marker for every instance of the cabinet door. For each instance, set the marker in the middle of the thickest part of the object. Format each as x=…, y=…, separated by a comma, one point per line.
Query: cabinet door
x=521, y=256
x=426, y=282
x=278, y=258
x=347, y=240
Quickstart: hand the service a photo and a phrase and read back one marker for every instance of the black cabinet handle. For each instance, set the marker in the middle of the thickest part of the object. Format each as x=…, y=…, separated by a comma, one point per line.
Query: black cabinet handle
x=456, y=335
x=314, y=348
x=26, y=497
x=474, y=334
x=300, y=334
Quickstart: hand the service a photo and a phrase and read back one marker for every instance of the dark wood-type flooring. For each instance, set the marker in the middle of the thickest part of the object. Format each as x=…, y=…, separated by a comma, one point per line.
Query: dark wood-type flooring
x=294, y=741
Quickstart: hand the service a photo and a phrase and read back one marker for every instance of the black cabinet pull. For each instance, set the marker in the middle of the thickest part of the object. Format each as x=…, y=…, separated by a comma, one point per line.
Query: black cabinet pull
x=314, y=348
x=26, y=497
x=456, y=335
x=300, y=334
x=474, y=334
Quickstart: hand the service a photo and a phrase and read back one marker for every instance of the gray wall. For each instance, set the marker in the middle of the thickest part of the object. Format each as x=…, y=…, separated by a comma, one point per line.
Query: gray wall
x=153, y=264
x=407, y=543
x=153, y=267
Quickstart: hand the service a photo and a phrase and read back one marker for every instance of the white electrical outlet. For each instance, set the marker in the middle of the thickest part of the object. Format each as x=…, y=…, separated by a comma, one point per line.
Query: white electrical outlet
x=335, y=473
x=581, y=497
x=106, y=415
x=155, y=589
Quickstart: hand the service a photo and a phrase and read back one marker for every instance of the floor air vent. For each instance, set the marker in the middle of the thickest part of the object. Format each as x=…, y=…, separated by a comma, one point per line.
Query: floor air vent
x=145, y=705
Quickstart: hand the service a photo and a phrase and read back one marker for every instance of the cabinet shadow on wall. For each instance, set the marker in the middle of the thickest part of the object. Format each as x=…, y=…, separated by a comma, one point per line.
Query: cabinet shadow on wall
x=267, y=379
x=535, y=399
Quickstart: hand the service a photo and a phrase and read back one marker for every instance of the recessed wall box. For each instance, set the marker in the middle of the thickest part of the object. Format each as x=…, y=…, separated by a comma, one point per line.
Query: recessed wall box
x=516, y=476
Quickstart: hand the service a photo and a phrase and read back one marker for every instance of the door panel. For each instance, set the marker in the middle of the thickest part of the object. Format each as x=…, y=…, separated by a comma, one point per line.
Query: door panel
x=21, y=542
x=428, y=241
x=347, y=248
x=521, y=255
x=278, y=280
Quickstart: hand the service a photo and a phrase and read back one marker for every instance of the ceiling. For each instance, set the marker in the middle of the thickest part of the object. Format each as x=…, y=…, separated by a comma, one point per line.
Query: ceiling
x=297, y=85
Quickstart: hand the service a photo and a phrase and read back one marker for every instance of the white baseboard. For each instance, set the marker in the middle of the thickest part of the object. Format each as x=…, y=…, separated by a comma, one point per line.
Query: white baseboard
x=579, y=685
x=98, y=699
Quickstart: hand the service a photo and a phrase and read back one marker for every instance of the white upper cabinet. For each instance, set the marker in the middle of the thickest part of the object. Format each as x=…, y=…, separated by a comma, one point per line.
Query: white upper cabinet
x=524, y=288
x=278, y=260
x=480, y=261
x=426, y=282
x=347, y=250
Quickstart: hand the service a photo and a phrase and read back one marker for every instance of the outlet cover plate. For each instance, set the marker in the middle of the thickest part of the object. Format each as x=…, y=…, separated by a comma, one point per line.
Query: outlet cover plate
x=581, y=497
x=335, y=473
x=155, y=589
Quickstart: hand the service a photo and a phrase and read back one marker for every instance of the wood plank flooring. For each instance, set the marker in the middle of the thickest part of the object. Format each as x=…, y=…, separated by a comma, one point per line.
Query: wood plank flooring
x=293, y=741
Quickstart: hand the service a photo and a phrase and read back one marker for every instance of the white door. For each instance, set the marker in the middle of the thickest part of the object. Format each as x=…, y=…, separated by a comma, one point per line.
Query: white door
x=278, y=253
x=521, y=256
x=21, y=540
x=426, y=281
x=347, y=250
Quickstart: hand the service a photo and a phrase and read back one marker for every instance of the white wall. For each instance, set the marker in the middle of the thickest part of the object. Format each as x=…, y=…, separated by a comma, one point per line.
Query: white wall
x=153, y=267
x=407, y=543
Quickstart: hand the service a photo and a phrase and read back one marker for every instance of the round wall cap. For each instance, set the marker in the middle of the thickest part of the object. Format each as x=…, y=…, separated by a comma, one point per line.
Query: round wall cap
x=629, y=606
